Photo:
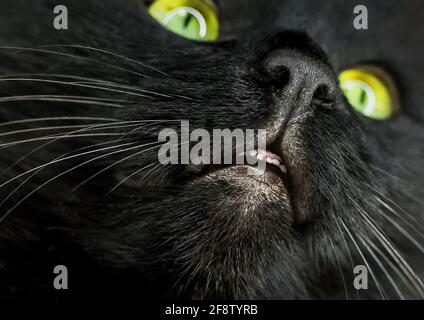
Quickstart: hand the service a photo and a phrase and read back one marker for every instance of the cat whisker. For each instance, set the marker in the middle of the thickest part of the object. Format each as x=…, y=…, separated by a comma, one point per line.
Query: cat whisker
x=109, y=53
x=78, y=85
x=383, y=268
x=54, y=140
x=135, y=130
x=63, y=54
x=10, y=144
x=91, y=81
x=62, y=174
x=118, y=162
x=135, y=173
x=383, y=200
x=114, y=125
x=348, y=251
x=75, y=101
x=129, y=177
x=56, y=75
x=89, y=127
x=339, y=267
x=61, y=160
x=387, y=260
x=30, y=130
x=60, y=157
x=32, y=120
x=399, y=179
x=70, y=99
x=392, y=250
x=122, y=160
x=394, y=253
x=411, y=224
x=35, y=150
x=133, y=89
x=382, y=292
x=401, y=229
x=44, y=145
x=150, y=172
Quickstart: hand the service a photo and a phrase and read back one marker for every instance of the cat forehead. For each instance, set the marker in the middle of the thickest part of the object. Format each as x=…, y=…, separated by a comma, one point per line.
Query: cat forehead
x=392, y=37
x=314, y=15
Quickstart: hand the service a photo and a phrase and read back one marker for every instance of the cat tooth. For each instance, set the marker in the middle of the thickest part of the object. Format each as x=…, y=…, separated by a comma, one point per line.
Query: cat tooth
x=283, y=168
x=275, y=162
x=261, y=157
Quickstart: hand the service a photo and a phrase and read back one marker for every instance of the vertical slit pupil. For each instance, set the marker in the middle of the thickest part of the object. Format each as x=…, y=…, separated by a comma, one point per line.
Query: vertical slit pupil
x=187, y=20
x=364, y=97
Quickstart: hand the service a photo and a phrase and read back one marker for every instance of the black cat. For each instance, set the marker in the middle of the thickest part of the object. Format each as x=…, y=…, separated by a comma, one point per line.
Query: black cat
x=81, y=185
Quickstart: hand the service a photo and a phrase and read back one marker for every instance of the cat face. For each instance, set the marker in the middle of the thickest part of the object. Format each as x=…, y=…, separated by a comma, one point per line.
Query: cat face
x=117, y=77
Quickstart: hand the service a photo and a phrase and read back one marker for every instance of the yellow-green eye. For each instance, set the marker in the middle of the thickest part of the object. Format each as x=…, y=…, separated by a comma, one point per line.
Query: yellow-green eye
x=370, y=91
x=192, y=19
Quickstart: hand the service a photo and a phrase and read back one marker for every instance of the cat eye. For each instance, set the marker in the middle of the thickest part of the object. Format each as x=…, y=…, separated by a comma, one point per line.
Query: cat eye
x=192, y=19
x=371, y=91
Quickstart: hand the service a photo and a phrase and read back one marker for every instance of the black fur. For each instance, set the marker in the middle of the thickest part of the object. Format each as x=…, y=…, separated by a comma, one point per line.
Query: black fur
x=222, y=235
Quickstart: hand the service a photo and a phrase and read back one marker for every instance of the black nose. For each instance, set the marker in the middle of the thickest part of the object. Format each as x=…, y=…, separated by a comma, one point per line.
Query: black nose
x=303, y=79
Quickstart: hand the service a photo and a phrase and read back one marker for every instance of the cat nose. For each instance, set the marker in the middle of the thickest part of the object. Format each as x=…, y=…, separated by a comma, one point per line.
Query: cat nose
x=301, y=78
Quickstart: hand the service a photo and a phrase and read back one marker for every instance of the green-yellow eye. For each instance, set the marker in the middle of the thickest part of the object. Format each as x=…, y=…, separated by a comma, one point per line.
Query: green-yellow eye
x=370, y=91
x=192, y=19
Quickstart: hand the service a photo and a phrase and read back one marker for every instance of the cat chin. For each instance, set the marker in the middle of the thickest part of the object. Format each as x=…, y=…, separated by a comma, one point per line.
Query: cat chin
x=248, y=195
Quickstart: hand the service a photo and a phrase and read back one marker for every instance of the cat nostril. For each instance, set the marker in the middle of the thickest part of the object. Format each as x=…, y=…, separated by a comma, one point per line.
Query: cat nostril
x=278, y=76
x=322, y=95
x=304, y=79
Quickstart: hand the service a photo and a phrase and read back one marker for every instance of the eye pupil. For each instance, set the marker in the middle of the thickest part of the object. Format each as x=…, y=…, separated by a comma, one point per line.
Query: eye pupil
x=360, y=95
x=187, y=21
x=364, y=97
x=370, y=91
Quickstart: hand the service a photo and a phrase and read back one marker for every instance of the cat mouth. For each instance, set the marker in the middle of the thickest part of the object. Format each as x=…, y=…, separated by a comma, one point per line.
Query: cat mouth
x=270, y=170
x=254, y=160
x=270, y=158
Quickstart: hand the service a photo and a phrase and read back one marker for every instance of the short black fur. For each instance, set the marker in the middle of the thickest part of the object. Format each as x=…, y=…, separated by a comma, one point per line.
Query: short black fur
x=165, y=233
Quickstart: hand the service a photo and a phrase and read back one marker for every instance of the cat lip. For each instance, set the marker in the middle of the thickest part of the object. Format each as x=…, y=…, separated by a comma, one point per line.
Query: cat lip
x=276, y=171
x=262, y=163
x=271, y=160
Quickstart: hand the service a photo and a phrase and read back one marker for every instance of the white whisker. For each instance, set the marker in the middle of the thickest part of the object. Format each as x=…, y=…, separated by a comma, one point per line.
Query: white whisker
x=348, y=251
x=339, y=266
x=74, y=57
x=388, y=261
x=61, y=160
x=110, y=53
x=118, y=162
x=393, y=251
x=129, y=177
x=58, y=158
x=60, y=175
x=25, y=121
x=76, y=85
x=386, y=273
x=9, y=144
x=379, y=288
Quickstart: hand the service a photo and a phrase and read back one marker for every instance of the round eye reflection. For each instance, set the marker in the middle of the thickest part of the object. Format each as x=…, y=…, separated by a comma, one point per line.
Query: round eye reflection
x=370, y=91
x=192, y=19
